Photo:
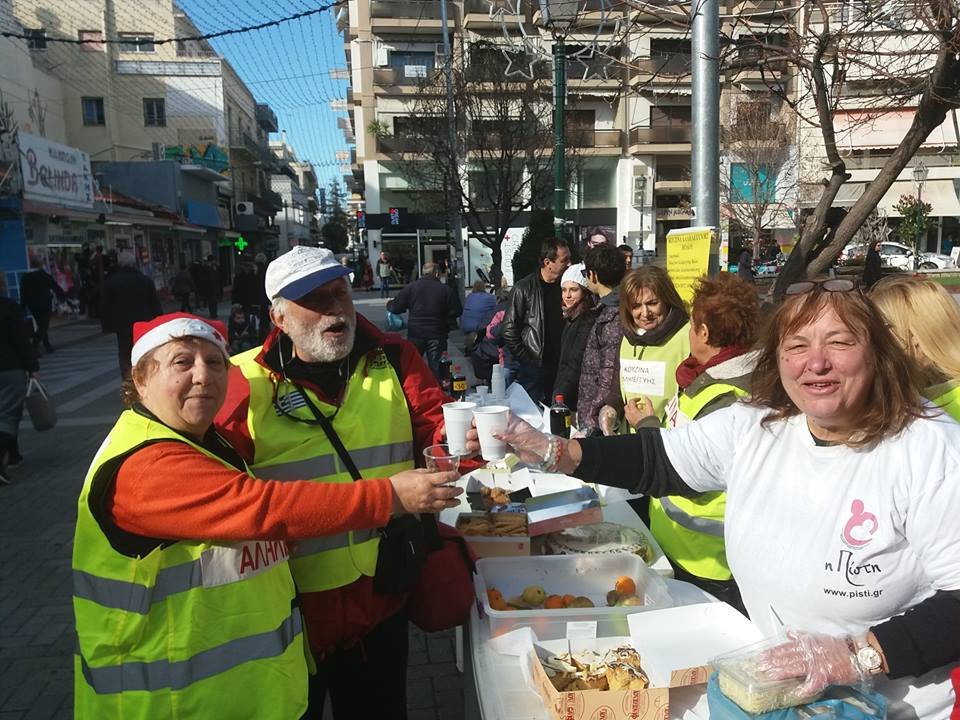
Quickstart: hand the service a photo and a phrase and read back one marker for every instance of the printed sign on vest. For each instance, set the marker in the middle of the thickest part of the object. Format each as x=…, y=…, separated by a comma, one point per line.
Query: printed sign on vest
x=225, y=564
x=643, y=377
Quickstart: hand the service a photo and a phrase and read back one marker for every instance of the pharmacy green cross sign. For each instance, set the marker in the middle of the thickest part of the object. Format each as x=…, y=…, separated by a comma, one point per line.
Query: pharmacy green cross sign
x=240, y=243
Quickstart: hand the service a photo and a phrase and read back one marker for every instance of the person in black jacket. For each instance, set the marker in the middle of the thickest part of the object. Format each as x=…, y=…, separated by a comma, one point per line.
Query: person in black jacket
x=245, y=290
x=871, y=267
x=17, y=363
x=434, y=307
x=580, y=314
x=128, y=296
x=533, y=324
x=37, y=290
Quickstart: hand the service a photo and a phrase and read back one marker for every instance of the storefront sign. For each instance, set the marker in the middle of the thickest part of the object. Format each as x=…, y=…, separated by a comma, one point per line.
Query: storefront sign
x=55, y=173
x=688, y=257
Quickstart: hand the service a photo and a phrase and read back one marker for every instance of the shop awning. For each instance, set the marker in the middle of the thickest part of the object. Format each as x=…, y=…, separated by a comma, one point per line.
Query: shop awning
x=848, y=194
x=92, y=216
x=941, y=194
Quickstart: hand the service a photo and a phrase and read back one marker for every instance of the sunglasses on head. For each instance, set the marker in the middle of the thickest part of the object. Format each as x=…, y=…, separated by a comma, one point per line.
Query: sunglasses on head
x=837, y=285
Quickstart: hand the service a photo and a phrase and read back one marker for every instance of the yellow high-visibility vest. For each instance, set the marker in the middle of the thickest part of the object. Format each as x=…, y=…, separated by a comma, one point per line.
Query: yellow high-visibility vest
x=373, y=422
x=192, y=629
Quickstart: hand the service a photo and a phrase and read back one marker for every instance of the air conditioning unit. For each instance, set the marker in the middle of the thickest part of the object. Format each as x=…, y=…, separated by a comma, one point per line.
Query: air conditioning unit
x=244, y=208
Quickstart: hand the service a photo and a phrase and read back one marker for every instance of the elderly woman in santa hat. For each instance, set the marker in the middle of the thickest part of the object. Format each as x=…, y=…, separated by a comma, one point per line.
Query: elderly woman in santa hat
x=184, y=603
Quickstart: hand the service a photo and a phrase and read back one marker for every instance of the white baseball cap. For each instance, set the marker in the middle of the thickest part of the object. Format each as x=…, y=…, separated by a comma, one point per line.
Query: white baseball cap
x=574, y=273
x=300, y=271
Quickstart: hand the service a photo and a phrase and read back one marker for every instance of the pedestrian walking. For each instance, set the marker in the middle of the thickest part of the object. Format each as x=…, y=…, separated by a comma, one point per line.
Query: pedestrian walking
x=384, y=272
x=38, y=290
x=18, y=363
x=327, y=377
x=842, y=499
x=433, y=309
x=745, y=264
x=208, y=285
x=245, y=290
x=579, y=314
x=603, y=268
x=167, y=499
x=872, y=266
x=533, y=323
x=129, y=296
x=183, y=287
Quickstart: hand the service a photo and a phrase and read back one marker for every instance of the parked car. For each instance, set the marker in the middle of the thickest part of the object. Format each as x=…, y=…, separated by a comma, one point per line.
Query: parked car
x=900, y=256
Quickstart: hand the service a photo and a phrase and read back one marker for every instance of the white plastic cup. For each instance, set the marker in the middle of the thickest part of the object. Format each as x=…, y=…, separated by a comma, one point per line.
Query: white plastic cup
x=498, y=386
x=457, y=417
x=484, y=394
x=491, y=419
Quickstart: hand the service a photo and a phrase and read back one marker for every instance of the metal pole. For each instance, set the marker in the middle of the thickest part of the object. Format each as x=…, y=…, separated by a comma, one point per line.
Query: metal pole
x=559, y=165
x=705, y=156
x=456, y=228
x=916, y=242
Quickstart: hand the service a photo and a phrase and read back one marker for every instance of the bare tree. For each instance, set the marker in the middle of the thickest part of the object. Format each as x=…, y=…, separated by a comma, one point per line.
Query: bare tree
x=759, y=167
x=502, y=164
x=858, y=61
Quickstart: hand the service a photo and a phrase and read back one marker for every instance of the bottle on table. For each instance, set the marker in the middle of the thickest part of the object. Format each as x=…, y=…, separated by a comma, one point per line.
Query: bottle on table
x=445, y=379
x=458, y=384
x=559, y=418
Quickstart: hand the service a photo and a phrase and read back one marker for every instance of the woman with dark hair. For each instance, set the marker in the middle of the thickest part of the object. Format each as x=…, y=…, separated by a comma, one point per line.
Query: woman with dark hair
x=724, y=319
x=578, y=318
x=655, y=341
x=18, y=363
x=842, y=500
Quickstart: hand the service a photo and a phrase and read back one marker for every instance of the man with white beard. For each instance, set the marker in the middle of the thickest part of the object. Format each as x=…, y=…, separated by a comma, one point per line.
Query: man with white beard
x=326, y=376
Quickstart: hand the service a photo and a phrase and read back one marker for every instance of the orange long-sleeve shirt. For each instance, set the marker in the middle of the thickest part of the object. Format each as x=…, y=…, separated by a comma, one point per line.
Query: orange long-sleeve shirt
x=170, y=490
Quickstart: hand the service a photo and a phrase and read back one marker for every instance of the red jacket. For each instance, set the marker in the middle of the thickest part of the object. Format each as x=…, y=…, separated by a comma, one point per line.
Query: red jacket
x=343, y=616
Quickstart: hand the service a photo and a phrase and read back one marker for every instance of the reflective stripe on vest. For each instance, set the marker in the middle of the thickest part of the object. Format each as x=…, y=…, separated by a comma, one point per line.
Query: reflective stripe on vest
x=650, y=370
x=163, y=674
x=373, y=422
x=690, y=530
x=188, y=626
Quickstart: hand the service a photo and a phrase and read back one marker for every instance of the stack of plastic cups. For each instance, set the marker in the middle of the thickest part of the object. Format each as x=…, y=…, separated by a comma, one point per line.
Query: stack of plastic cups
x=498, y=388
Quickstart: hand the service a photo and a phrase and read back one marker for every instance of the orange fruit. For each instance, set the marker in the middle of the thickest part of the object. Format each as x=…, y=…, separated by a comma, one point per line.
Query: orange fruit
x=625, y=585
x=494, y=596
x=553, y=602
x=567, y=599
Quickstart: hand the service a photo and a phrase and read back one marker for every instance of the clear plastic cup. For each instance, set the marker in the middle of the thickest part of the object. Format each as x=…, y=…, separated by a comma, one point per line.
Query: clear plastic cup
x=491, y=419
x=457, y=417
x=439, y=459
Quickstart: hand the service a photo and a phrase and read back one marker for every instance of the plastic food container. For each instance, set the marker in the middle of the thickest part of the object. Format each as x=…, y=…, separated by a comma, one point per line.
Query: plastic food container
x=591, y=576
x=740, y=680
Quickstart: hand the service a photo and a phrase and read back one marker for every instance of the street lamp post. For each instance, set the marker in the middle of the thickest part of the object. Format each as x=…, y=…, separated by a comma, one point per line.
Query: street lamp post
x=919, y=176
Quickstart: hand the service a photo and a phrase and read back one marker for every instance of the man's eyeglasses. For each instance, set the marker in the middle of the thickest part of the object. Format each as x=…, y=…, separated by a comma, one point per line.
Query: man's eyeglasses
x=838, y=285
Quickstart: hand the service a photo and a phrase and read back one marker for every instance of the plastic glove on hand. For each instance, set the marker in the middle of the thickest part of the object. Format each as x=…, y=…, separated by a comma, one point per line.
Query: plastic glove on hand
x=527, y=443
x=822, y=660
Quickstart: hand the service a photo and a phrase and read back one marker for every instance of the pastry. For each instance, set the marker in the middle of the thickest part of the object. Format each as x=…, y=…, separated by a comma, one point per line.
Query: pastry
x=474, y=524
x=621, y=676
x=494, y=496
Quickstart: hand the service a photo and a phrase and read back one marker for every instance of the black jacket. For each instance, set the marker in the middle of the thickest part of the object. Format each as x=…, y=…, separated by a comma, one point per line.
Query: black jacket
x=871, y=269
x=128, y=296
x=16, y=350
x=37, y=289
x=573, y=343
x=433, y=307
x=523, y=331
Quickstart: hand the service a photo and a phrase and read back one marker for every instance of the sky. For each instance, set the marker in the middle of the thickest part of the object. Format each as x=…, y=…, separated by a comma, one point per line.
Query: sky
x=288, y=67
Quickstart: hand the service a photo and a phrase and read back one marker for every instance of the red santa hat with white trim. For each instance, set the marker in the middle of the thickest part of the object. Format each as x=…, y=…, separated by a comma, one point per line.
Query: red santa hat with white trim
x=162, y=329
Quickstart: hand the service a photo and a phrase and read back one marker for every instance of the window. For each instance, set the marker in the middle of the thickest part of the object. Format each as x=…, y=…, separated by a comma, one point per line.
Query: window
x=154, y=112
x=92, y=40
x=136, y=42
x=752, y=184
x=93, y=111
x=412, y=64
x=36, y=39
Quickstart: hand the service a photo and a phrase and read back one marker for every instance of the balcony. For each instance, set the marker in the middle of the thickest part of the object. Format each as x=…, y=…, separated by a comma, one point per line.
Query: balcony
x=661, y=69
x=748, y=9
x=390, y=144
x=598, y=70
x=660, y=134
x=656, y=9
x=682, y=212
x=266, y=118
x=387, y=77
x=588, y=138
x=476, y=16
x=492, y=68
x=407, y=16
x=259, y=152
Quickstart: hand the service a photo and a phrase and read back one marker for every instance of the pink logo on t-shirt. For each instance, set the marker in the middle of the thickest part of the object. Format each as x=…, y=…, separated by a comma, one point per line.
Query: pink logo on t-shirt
x=860, y=527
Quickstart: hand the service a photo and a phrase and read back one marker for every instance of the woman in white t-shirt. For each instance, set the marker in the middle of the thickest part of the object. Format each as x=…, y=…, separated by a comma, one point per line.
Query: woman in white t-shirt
x=843, y=498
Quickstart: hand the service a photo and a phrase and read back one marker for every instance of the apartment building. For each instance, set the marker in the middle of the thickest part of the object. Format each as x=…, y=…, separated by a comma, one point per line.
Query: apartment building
x=168, y=124
x=628, y=114
x=296, y=184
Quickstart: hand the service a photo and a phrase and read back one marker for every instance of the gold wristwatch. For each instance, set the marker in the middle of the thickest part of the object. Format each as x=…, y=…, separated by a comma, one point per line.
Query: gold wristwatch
x=868, y=658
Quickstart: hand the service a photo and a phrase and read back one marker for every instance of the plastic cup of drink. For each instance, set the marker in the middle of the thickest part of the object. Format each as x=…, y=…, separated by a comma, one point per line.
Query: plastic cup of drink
x=439, y=459
x=457, y=417
x=484, y=392
x=498, y=386
x=491, y=419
